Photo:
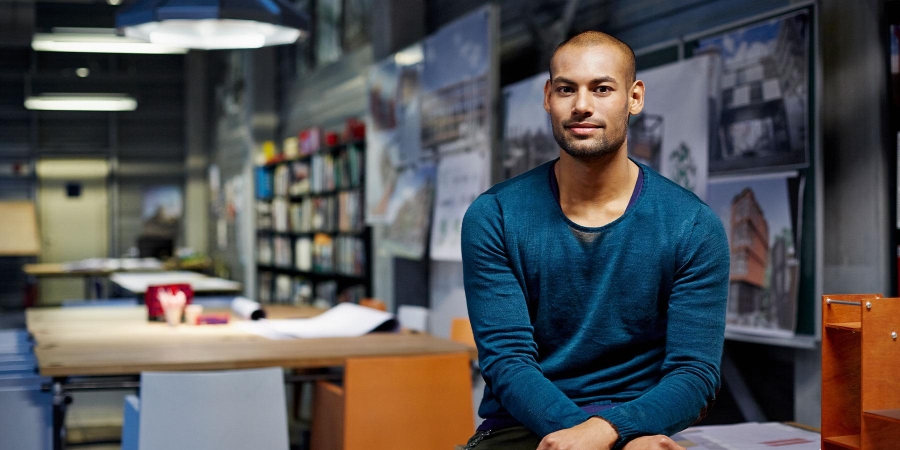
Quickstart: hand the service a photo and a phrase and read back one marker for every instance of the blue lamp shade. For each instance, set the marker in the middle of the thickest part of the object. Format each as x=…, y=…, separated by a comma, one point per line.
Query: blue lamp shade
x=213, y=24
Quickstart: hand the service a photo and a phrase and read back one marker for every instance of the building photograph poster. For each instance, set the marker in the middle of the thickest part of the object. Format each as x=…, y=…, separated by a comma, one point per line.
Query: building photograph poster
x=763, y=100
x=527, y=134
x=456, y=87
x=760, y=215
x=671, y=134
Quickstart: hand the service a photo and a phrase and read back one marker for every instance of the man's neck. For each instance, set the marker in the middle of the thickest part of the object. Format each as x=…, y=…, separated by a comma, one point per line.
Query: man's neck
x=595, y=191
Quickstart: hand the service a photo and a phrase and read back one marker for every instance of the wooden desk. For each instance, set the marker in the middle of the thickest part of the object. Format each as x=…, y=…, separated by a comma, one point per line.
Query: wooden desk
x=89, y=273
x=137, y=282
x=120, y=341
x=114, y=341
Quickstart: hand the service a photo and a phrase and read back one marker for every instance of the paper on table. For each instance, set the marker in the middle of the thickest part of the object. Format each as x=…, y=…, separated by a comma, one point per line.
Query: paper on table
x=750, y=436
x=343, y=320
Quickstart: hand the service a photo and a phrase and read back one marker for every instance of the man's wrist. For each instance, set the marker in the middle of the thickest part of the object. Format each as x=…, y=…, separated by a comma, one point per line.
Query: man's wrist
x=605, y=430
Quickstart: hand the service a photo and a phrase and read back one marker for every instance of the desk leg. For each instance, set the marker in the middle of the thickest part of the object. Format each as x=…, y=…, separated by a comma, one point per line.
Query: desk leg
x=60, y=401
x=88, y=287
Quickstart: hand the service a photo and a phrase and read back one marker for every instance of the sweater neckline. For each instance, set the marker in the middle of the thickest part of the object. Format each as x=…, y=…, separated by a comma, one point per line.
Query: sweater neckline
x=628, y=211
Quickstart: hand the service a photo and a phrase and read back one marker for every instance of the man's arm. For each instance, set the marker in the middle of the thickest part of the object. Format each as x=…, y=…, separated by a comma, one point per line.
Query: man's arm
x=502, y=327
x=694, y=338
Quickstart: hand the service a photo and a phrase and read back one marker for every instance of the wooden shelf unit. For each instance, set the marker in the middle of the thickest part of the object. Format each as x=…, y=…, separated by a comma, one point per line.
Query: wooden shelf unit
x=860, y=372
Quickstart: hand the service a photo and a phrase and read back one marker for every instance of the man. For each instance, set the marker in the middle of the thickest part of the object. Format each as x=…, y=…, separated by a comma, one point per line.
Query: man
x=596, y=287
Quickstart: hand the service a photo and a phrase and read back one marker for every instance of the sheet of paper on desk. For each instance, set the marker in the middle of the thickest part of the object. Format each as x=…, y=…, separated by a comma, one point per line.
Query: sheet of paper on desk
x=343, y=320
x=748, y=436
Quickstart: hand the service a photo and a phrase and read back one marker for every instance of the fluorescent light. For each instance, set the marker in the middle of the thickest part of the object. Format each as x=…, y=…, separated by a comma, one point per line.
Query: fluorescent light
x=98, y=41
x=213, y=34
x=81, y=102
x=409, y=56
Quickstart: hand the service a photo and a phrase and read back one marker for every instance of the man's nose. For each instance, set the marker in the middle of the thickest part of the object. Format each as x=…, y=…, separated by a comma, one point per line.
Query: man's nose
x=584, y=105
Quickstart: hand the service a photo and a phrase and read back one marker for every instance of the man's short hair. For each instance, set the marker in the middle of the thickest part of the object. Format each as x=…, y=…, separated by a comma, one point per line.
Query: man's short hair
x=590, y=38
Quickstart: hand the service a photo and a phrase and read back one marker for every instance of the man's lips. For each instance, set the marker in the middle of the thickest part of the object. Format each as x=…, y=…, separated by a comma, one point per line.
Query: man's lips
x=583, y=128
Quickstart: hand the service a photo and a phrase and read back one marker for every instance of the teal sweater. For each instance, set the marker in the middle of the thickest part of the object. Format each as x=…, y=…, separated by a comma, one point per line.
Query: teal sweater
x=566, y=316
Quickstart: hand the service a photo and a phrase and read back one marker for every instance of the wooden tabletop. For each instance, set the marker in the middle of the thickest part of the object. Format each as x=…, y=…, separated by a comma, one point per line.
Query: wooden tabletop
x=119, y=341
x=67, y=270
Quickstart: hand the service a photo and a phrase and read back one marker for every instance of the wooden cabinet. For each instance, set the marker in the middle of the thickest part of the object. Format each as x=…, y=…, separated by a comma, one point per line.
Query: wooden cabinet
x=860, y=372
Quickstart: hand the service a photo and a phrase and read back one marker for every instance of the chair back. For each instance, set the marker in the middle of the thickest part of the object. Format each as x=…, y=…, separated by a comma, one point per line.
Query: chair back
x=240, y=409
x=407, y=402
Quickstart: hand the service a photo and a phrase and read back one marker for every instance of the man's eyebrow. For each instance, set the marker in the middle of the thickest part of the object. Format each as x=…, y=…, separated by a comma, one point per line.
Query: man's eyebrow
x=564, y=80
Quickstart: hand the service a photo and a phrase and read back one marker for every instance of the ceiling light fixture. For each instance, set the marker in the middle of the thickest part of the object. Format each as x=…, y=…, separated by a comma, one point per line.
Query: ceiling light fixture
x=213, y=24
x=81, y=102
x=96, y=40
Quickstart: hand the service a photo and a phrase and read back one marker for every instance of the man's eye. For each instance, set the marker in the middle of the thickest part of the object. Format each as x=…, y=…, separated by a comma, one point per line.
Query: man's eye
x=564, y=90
x=603, y=89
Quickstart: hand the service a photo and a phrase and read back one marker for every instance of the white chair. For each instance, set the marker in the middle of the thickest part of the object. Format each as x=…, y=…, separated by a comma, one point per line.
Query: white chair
x=241, y=409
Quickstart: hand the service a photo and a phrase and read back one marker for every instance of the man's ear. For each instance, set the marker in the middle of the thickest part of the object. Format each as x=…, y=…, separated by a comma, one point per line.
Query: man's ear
x=547, y=96
x=636, y=102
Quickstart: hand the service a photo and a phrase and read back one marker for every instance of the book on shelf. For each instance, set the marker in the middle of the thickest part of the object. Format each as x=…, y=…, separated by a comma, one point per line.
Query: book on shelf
x=282, y=289
x=326, y=293
x=323, y=253
x=284, y=255
x=264, y=183
x=264, y=252
x=301, y=216
x=348, y=167
x=350, y=208
x=280, y=180
x=322, y=173
x=263, y=215
x=351, y=255
x=299, y=184
x=303, y=253
x=265, y=287
x=280, y=214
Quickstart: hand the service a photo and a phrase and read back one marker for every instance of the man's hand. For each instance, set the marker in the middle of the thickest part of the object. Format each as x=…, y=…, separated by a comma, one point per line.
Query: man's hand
x=658, y=442
x=592, y=434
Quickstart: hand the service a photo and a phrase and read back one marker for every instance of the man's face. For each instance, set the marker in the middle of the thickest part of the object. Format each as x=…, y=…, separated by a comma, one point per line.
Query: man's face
x=589, y=98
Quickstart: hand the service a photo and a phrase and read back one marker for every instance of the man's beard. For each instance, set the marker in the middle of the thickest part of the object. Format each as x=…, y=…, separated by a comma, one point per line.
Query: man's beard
x=589, y=148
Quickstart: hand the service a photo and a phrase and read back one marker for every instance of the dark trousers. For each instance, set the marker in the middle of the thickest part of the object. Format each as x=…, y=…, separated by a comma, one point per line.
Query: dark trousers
x=514, y=438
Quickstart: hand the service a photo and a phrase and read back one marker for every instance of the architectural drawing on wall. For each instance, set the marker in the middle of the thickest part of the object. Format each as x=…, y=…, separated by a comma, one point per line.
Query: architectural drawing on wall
x=393, y=126
x=763, y=101
x=760, y=216
x=671, y=134
x=409, y=212
x=460, y=179
x=527, y=134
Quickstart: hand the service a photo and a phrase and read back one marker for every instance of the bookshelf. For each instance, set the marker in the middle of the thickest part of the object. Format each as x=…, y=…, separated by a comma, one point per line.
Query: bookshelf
x=312, y=243
x=860, y=399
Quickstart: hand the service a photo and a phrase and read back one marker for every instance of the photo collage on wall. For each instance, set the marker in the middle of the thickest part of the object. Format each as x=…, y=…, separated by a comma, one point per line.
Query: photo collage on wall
x=738, y=138
x=429, y=138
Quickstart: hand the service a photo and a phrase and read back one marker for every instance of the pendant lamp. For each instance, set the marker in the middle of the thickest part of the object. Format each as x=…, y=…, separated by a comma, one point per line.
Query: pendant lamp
x=213, y=24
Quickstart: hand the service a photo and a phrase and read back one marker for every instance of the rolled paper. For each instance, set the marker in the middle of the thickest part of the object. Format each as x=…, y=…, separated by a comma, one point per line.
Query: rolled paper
x=247, y=309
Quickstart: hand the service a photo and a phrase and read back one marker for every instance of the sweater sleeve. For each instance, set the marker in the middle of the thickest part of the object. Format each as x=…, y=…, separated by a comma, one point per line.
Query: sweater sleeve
x=502, y=326
x=694, y=339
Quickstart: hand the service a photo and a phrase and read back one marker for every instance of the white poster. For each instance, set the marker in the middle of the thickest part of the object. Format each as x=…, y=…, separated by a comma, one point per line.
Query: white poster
x=461, y=178
x=671, y=134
